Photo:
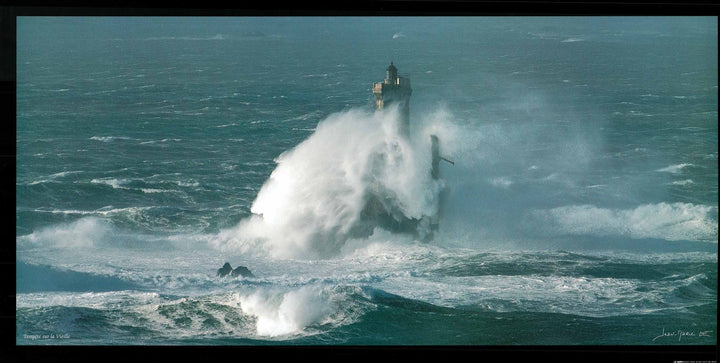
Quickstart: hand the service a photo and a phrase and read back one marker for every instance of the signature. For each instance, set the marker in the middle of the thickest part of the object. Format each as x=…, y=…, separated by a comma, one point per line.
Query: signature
x=682, y=334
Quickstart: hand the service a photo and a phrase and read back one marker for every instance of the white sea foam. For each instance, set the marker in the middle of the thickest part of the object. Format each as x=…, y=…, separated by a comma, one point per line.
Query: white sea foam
x=189, y=317
x=674, y=169
x=320, y=75
x=683, y=182
x=283, y=313
x=41, y=181
x=95, y=300
x=110, y=138
x=318, y=190
x=64, y=173
x=190, y=183
x=226, y=125
x=62, y=211
x=115, y=183
x=672, y=222
x=83, y=233
x=151, y=190
x=52, y=178
x=262, y=313
x=104, y=211
x=159, y=141
x=577, y=295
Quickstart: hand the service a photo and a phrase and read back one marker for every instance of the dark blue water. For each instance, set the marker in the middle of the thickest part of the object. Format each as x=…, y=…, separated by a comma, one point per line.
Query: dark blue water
x=581, y=208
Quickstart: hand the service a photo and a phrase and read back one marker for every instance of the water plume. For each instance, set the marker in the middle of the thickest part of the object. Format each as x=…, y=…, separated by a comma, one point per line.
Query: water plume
x=334, y=185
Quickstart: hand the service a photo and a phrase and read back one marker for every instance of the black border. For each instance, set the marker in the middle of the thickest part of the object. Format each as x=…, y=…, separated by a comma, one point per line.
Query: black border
x=365, y=354
x=363, y=8
x=8, y=14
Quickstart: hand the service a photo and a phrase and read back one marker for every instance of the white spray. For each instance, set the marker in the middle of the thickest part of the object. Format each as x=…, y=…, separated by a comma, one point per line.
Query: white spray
x=313, y=201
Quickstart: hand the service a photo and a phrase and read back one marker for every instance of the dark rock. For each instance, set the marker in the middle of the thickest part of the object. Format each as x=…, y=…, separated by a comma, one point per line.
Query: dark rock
x=226, y=269
x=242, y=271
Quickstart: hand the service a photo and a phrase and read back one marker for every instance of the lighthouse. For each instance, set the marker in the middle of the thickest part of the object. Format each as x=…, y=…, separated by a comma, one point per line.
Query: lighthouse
x=394, y=90
x=379, y=211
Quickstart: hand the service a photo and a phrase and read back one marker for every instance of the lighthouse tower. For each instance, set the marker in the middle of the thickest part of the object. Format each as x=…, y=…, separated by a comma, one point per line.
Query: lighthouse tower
x=394, y=90
x=379, y=209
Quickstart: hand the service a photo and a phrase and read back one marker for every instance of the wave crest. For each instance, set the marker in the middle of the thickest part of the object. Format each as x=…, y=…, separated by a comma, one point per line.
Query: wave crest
x=672, y=222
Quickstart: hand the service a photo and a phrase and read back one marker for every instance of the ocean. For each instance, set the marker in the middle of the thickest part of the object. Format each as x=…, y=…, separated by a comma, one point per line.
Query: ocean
x=581, y=208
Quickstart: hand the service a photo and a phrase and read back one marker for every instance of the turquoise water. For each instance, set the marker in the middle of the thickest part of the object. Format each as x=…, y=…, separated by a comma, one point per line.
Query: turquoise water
x=581, y=208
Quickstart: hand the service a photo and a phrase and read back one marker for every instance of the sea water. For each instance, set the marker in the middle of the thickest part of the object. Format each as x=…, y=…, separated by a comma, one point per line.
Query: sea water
x=581, y=208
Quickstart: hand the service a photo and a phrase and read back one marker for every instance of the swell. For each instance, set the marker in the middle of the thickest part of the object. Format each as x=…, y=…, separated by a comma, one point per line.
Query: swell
x=34, y=278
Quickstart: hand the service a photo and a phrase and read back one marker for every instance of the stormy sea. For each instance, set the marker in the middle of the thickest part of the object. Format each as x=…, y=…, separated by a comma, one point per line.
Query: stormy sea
x=580, y=207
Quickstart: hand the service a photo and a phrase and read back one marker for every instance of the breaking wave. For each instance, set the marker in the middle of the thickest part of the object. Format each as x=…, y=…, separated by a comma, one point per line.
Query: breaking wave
x=83, y=233
x=283, y=313
x=672, y=222
x=674, y=169
x=316, y=198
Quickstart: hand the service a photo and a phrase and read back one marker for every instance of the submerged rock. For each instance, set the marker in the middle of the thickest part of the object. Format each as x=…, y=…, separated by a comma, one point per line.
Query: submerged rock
x=239, y=271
